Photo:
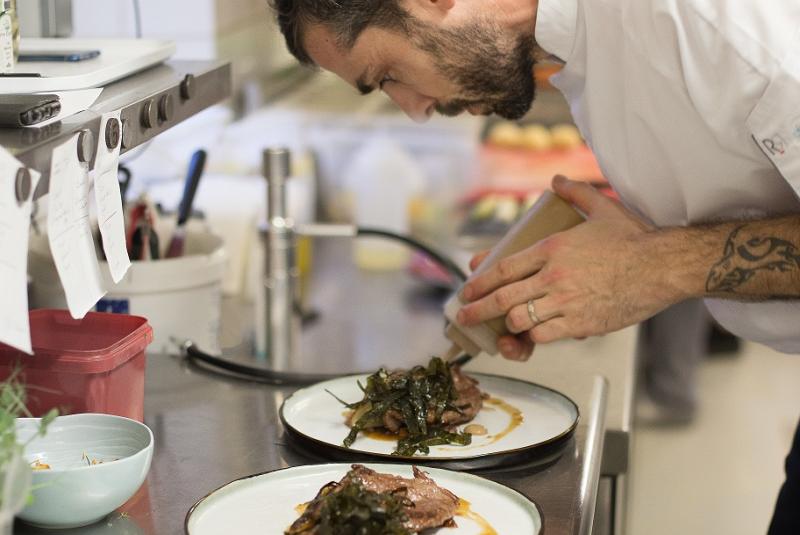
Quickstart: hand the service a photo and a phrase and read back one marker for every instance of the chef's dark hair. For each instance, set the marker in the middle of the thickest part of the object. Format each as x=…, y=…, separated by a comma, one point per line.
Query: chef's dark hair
x=346, y=18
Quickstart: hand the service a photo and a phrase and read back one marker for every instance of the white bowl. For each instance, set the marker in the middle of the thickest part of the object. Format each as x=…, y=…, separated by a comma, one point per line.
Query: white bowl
x=72, y=492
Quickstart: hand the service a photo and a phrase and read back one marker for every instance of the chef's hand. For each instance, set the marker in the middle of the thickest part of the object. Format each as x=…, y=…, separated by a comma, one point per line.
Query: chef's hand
x=593, y=279
x=517, y=347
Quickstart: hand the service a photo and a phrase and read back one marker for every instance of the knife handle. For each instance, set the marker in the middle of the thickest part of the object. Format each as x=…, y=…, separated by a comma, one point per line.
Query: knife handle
x=196, y=168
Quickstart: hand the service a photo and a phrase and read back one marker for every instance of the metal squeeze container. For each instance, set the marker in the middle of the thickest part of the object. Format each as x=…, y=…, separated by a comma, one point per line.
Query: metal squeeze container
x=550, y=214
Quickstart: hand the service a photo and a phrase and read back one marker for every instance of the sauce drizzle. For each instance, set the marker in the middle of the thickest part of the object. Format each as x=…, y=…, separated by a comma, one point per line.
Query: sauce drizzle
x=383, y=435
x=516, y=418
x=465, y=510
x=491, y=404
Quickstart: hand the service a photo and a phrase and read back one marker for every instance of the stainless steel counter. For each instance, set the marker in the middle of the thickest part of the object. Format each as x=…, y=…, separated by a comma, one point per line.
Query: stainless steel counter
x=369, y=319
x=210, y=430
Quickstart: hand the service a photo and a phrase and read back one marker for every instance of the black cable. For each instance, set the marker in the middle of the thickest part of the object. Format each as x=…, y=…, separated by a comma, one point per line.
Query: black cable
x=440, y=259
x=245, y=372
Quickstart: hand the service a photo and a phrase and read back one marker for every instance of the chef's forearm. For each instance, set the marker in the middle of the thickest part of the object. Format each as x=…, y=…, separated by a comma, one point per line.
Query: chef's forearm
x=744, y=260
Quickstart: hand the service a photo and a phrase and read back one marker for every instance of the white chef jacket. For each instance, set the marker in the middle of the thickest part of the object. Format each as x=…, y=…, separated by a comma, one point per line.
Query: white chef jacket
x=692, y=108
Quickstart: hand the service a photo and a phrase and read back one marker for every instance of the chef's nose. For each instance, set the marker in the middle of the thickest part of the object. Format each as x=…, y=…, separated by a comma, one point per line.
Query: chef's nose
x=417, y=106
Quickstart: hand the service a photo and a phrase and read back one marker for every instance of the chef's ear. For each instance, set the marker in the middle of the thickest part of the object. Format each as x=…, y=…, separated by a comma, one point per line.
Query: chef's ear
x=431, y=7
x=444, y=5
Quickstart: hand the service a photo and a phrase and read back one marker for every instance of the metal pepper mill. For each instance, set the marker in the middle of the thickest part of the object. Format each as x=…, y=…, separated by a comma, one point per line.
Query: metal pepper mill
x=282, y=313
x=282, y=316
x=282, y=310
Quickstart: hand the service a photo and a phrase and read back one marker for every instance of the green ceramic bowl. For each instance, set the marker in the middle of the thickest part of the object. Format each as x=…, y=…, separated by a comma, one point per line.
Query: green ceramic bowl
x=97, y=463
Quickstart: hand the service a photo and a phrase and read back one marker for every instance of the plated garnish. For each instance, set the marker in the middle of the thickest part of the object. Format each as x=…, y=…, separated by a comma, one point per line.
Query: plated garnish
x=39, y=465
x=421, y=407
x=91, y=461
x=366, y=502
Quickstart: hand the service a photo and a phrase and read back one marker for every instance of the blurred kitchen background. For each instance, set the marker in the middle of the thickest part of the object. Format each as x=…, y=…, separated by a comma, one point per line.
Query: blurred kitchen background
x=713, y=468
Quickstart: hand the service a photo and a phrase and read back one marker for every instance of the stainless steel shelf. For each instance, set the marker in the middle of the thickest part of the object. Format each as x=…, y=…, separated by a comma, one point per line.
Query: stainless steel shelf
x=164, y=96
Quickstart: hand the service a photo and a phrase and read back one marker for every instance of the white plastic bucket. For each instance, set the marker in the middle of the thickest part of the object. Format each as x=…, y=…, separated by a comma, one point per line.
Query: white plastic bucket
x=180, y=297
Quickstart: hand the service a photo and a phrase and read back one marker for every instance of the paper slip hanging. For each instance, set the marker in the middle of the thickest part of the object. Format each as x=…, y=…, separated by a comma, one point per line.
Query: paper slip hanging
x=109, y=201
x=17, y=185
x=69, y=231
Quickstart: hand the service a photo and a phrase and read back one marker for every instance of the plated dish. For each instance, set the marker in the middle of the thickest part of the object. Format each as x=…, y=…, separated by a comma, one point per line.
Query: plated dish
x=419, y=408
x=484, y=421
x=368, y=501
x=427, y=500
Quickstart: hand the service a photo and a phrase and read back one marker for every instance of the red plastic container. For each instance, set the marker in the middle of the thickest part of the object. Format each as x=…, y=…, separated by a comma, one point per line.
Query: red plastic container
x=91, y=365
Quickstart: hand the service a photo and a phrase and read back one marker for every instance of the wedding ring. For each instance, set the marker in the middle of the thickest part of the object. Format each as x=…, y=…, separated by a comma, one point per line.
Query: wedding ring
x=532, y=313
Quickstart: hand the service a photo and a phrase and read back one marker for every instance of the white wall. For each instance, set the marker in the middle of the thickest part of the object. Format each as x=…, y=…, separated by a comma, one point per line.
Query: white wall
x=241, y=31
x=190, y=23
x=29, y=17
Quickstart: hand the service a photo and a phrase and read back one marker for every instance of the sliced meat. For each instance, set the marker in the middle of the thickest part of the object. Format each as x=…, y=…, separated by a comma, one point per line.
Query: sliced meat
x=469, y=400
x=433, y=506
x=393, y=421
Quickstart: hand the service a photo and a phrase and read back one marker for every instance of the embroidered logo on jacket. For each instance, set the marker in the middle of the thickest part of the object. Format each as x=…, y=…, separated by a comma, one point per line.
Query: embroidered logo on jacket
x=776, y=145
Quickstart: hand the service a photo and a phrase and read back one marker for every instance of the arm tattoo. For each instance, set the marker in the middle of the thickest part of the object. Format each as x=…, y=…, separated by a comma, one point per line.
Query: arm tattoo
x=744, y=258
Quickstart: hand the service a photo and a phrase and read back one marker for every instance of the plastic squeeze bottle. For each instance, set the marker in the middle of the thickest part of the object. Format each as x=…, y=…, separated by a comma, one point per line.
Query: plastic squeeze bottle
x=549, y=215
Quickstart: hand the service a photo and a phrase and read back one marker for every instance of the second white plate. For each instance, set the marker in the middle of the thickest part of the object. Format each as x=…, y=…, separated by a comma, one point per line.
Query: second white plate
x=267, y=503
x=519, y=417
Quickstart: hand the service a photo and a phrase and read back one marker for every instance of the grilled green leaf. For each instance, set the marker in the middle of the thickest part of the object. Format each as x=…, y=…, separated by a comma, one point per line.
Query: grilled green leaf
x=411, y=397
x=353, y=510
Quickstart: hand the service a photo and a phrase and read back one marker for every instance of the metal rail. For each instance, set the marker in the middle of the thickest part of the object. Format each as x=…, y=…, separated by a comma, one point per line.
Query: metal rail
x=150, y=103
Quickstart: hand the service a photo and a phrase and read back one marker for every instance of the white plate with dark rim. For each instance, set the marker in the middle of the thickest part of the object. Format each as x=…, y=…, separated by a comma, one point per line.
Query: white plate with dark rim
x=522, y=420
x=268, y=503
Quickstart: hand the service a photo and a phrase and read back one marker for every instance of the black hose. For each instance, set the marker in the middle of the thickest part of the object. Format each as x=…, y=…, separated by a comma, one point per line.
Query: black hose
x=245, y=372
x=440, y=259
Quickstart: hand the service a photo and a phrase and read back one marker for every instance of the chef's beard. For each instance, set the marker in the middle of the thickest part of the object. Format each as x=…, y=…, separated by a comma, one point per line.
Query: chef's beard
x=493, y=70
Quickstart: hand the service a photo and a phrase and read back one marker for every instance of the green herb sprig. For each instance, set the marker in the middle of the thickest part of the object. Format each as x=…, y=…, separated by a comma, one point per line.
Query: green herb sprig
x=355, y=510
x=12, y=406
x=351, y=509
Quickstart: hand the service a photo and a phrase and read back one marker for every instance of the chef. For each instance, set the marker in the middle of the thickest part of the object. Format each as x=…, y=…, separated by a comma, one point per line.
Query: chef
x=692, y=108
